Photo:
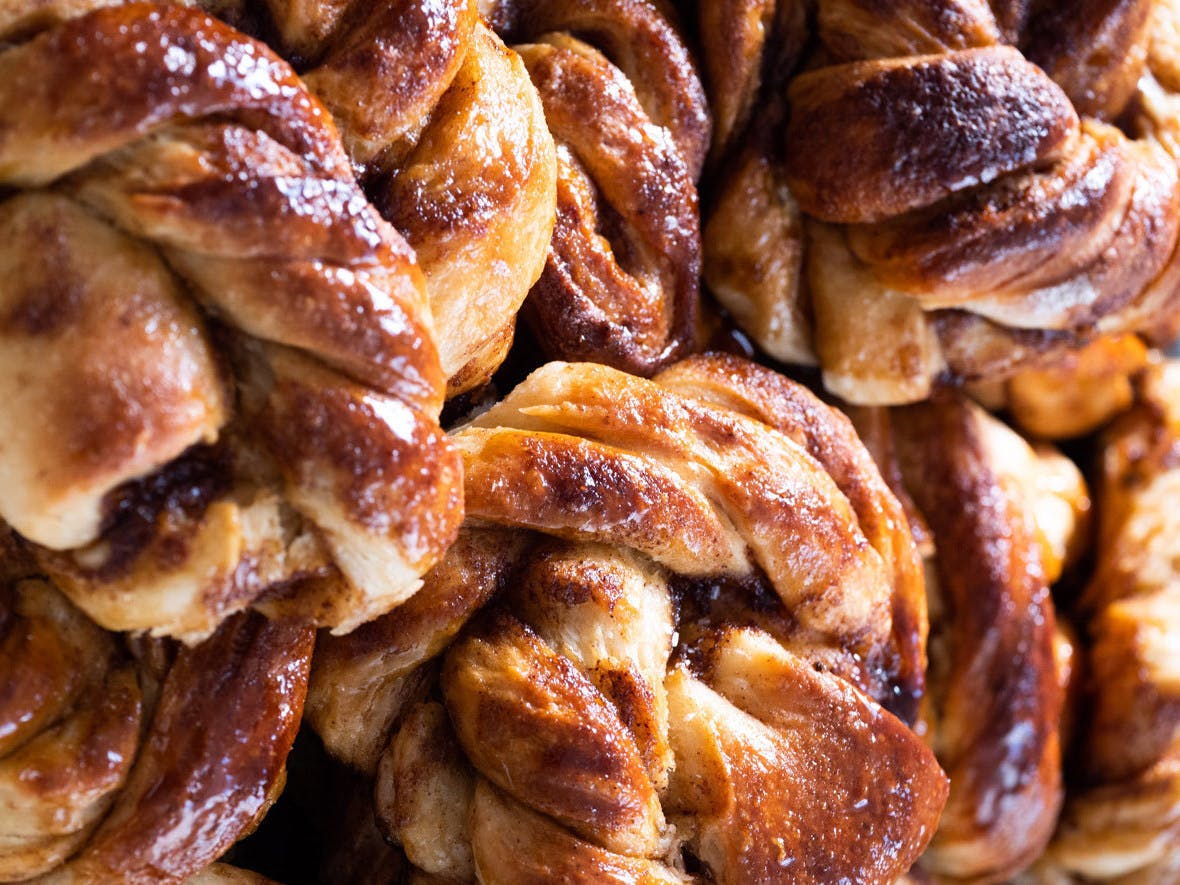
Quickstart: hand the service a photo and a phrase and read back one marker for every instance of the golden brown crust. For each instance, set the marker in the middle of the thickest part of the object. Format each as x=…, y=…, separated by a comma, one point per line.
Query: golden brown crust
x=1005, y=521
x=1078, y=395
x=565, y=414
x=1096, y=51
x=1015, y=118
x=1121, y=819
x=441, y=119
x=735, y=35
x=113, y=771
x=1002, y=518
x=516, y=845
x=851, y=29
x=626, y=108
x=424, y=792
x=224, y=874
x=753, y=236
x=832, y=440
x=362, y=681
x=764, y=548
x=961, y=222
x=537, y=728
x=751, y=749
x=205, y=145
x=646, y=45
x=753, y=254
x=245, y=687
x=631, y=304
x=71, y=722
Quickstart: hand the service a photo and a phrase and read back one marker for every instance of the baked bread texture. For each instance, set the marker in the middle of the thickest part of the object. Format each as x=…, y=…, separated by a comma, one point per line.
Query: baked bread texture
x=1121, y=821
x=636, y=664
x=219, y=369
x=1002, y=520
x=960, y=212
x=449, y=136
x=754, y=229
x=1074, y=397
x=623, y=99
x=136, y=761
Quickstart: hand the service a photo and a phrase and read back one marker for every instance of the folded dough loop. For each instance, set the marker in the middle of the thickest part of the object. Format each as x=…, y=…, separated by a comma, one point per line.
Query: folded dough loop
x=1121, y=821
x=447, y=132
x=219, y=366
x=136, y=767
x=1005, y=519
x=753, y=237
x=624, y=102
x=1074, y=397
x=679, y=622
x=940, y=207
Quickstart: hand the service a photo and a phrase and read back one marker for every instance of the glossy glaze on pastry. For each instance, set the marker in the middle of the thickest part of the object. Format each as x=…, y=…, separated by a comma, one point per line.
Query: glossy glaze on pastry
x=220, y=373
x=666, y=660
x=1121, y=821
x=1003, y=519
x=141, y=763
x=624, y=102
x=966, y=214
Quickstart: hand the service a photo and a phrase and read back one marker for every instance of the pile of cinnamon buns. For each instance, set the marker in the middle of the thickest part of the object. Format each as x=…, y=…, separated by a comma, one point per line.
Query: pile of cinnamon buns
x=627, y=441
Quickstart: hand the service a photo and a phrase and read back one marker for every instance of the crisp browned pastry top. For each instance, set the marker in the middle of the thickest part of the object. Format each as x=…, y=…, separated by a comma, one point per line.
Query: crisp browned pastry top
x=219, y=370
x=988, y=209
x=625, y=105
x=144, y=768
x=1004, y=518
x=969, y=207
x=450, y=137
x=700, y=604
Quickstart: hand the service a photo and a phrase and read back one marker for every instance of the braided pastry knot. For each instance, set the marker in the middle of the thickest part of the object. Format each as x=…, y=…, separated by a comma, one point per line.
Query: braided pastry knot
x=706, y=602
x=114, y=769
x=1005, y=520
x=446, y=130
x=218, y=366
x=963, y=221
x=1121, y=821
x=626, y=107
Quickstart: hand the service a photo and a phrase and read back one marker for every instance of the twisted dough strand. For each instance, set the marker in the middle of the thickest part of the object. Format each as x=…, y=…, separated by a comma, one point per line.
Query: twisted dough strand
x=117, y=771
x=203, y=144
x=1004, y=518
x=1121, y=819
x=625, y=105
x=694, y=620
x=441, y=119
x=753, y=237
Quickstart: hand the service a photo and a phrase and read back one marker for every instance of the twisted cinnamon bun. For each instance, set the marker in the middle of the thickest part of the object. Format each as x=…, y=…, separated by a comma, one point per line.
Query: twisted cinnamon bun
x=627, y=110
x=966, y=214
x=982, y=220
x=219, y=372
x=1004, y=520
x=447, y=130
x=136, y=768
x=665, y=647
x=1121, y=821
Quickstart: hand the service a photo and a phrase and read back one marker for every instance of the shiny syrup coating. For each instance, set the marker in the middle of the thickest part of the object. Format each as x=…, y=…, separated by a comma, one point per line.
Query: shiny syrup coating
x=651, y=683
x=205, y=149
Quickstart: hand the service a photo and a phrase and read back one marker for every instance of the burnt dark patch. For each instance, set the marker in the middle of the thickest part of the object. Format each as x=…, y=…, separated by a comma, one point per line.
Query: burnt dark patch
x=135, y=513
